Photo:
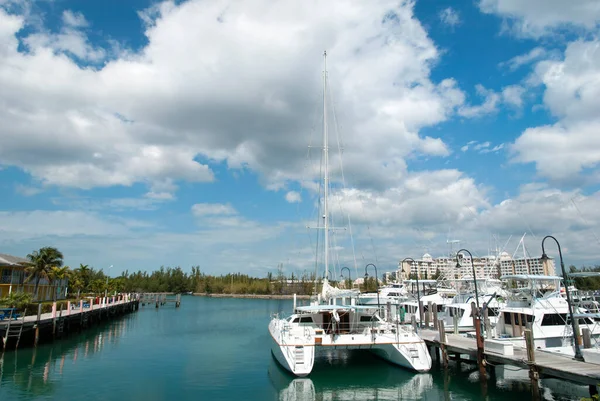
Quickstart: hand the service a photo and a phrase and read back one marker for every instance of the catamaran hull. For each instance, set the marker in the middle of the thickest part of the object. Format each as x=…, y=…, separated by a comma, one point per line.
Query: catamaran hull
x=409, y=356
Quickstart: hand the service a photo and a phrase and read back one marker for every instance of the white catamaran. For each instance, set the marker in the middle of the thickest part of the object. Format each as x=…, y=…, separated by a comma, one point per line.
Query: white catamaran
x=335, y=321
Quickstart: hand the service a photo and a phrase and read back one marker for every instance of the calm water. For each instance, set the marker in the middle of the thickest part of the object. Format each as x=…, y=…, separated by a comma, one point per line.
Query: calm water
x=218, y=349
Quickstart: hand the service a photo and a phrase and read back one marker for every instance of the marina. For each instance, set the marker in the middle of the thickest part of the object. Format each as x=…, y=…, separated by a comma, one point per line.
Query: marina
x=71, y=369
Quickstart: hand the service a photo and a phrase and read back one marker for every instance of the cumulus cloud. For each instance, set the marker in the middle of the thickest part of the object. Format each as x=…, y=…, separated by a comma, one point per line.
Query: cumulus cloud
x=150, y=116
x=535, y=54
x=535, y=18
x=212, y=209
x=293, y=197
x=74, y=19
x=450, y=17
x=566, y=151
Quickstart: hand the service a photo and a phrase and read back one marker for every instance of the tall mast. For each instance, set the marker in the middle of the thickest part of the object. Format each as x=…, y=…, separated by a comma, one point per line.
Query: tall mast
x=326, y=169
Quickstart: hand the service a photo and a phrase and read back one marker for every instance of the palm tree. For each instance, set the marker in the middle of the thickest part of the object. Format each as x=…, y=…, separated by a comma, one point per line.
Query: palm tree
x=57, y=274
x=84, y=273
x=41, y=263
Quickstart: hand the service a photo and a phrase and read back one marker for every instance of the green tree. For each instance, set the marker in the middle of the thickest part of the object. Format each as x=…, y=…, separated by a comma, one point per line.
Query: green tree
x=57, y=274
x=41, y=264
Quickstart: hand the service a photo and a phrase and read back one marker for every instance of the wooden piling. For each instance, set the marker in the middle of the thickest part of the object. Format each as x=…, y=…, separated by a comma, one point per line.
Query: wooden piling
x=533, y=373
x=486, y=323
x=455, y=322
x=421, y=313
x=427, y=314
x=435, y=316
x=442, y=332
x=587, y=338
x=413, y=322
x=37, y=326
x=479, y=340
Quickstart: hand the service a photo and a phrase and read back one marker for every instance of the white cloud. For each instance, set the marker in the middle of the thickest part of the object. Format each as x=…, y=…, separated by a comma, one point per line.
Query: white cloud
x=489, y=105
x=293, y=197
x=212, y=209
x=482, y=147
x=147, y=116
x=512, y=95
x=537, y=53
x=541, y=17
x=450, y=17
x=27, y=190
x=567, y=150
x=74, y=19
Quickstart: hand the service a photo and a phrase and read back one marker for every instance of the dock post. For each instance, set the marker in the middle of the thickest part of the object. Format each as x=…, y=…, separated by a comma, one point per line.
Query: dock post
x=479, y=339
x=455, y=322
x=487, y=327
x=413, y=322
x=533, y=374
x=421, y=313
x=53, y=319
x=388, y=311
x=435, y=316
x=37, y=326
x=178, y=302
x=587, y=339
x=68, y=308
x=294, y=307
x=427, y=314
x=442, y=331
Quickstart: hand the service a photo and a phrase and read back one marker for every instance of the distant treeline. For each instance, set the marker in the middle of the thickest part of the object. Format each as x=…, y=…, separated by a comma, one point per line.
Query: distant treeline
x=176, y=280
x=586, y=283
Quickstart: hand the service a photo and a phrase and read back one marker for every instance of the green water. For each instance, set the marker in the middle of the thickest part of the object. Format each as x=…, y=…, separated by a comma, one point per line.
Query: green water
x=218, y=349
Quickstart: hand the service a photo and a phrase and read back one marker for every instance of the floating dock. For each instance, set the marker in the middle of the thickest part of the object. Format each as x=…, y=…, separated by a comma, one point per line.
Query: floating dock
x=30, y=330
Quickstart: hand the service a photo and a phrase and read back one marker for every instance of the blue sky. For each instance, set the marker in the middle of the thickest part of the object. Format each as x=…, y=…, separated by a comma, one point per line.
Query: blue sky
x=139, y=134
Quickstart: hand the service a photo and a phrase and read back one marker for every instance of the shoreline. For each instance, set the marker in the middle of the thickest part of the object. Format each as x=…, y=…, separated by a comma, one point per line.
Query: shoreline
x=250, y=296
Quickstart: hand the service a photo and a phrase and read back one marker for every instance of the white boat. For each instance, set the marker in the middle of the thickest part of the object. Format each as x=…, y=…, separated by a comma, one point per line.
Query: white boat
x=535, y=301
x=393, y=293
x=334, y=321
x=490, y=294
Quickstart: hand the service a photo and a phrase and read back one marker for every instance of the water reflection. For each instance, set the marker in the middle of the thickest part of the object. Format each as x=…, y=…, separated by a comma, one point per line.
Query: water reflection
x=35, y=371
x=368, y=378
x=365, y=378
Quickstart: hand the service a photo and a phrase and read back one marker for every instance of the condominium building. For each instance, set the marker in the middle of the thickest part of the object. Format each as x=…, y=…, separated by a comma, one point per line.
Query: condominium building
x=485, y=266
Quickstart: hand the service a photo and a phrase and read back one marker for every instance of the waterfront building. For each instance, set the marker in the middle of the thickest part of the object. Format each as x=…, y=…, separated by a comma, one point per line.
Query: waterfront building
x=13, y=276
x=490, y=266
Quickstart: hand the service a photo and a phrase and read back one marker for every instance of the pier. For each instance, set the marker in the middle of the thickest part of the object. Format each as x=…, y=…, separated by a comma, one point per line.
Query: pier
x=486, y=354
x=160, y=298
x=32, y=329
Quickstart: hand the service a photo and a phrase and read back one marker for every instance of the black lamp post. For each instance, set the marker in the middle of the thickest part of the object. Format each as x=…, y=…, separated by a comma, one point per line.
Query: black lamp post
x=376, y=283
x=474, y=275
x=545, y=257
x=342, y=274
x=418, y=292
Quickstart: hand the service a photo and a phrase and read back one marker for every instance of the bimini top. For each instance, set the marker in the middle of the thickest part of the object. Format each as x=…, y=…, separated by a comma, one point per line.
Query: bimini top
x=317, y=308
x=533, y=277
x=411, y=281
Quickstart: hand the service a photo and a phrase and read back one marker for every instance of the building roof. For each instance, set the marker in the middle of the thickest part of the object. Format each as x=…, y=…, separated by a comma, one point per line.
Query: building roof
x=8, y=260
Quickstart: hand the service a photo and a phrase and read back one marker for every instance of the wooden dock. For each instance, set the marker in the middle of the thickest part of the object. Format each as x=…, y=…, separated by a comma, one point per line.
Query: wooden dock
x=160, y=298
x=546, y=363
x=30, y=330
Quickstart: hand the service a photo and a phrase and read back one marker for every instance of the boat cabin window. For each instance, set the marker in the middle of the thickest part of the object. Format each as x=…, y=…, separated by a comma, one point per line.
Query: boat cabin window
x=455, y=311
x=303, y=319
x=510, y=317
x=554, y=319
x=367, y=318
